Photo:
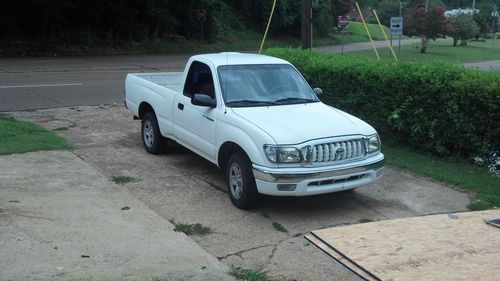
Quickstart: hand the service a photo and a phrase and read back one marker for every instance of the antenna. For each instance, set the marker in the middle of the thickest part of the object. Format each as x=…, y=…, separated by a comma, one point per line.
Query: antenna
x=227, y=69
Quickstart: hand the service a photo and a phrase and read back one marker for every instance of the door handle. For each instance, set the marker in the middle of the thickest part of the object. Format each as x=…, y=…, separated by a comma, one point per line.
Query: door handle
x=208, y=118
x=180, y=106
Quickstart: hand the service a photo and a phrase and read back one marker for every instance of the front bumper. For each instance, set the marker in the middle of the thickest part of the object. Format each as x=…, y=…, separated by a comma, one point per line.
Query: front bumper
x=312, y=181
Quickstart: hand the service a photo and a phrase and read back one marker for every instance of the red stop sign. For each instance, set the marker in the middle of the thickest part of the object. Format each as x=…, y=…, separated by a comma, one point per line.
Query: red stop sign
x=343, y=21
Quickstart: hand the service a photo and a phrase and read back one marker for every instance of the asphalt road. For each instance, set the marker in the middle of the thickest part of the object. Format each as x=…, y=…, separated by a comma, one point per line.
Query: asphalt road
x=46, y=82
x=32, y=83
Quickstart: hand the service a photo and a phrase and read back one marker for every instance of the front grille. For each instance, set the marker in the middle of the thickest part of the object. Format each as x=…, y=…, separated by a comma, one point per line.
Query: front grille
x=338, y=151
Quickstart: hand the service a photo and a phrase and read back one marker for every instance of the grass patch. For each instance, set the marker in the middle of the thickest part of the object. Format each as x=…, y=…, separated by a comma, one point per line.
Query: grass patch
x=248, y=274
x=191, y=229
x=354, y=33
x=441, y=49
x=279, y=227
x=357, y=30
x=454, y=171
x=123, y=179
x=20, y=136
x=365, y=220
x=61, y=129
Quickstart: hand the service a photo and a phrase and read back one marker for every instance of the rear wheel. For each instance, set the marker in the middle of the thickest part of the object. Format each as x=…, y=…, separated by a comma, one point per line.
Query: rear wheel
x=240, y=180
x=152, y=139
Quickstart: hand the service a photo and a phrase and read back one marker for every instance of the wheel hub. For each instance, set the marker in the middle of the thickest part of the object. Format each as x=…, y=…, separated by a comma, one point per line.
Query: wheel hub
x=235, y=180
x=148, y=133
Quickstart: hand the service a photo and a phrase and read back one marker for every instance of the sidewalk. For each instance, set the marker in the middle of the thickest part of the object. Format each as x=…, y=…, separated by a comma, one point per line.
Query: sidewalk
x=353, y=47
x=484, y=65
x=60, y=219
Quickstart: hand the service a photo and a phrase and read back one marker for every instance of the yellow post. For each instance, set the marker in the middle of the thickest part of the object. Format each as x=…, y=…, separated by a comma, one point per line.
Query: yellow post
x=367, y=32
x=267, y=28
x=385, y=35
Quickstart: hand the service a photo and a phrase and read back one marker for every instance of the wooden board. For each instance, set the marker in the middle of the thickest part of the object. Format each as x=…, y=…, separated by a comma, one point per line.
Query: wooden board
x=337, y=256
x=438, y=247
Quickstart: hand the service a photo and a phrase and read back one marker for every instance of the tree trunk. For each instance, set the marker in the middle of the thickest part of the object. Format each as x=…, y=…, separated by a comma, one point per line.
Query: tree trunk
x=423, y=47
x=455, y=42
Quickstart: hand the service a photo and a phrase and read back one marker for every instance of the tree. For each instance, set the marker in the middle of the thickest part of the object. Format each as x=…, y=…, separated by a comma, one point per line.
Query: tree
x=482, y=23
x=340, y=8
x=462, y=27
x=428, y=25
x=387, y=9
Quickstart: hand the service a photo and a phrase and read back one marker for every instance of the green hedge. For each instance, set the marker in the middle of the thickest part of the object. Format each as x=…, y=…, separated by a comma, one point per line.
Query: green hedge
x=439, y=107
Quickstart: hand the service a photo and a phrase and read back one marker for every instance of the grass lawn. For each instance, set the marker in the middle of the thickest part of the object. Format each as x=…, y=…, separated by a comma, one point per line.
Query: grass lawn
x=442, y=49
x=19, y=136
x=456, y=172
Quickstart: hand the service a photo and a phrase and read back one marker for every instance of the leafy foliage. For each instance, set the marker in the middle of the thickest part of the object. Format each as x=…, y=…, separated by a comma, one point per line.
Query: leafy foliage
x=116, y=22
x=462, y=27
x=428, y=25
x=437, y=107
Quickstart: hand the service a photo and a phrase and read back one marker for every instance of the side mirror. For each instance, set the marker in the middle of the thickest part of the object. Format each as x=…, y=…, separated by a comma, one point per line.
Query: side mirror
x=203, y=100
x=318, y=92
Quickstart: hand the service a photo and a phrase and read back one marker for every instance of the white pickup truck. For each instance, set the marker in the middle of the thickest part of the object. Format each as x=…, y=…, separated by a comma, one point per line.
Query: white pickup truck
x=257, y=119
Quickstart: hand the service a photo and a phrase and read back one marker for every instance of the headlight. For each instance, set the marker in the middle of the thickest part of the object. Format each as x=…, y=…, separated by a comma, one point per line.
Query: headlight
x=279, y=154
x=373, y=144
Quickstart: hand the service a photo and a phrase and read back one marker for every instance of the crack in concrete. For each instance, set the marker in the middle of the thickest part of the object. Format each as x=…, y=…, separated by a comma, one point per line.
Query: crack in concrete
x=28, y=216
x=271, y=256
x=239, y=253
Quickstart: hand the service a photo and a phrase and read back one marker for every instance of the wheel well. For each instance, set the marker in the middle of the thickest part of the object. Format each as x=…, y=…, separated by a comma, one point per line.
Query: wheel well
x=143, y=108
x=225, y=150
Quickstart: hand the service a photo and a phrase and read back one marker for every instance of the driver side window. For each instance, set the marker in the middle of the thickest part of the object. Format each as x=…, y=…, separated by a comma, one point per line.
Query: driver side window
x=199, y=80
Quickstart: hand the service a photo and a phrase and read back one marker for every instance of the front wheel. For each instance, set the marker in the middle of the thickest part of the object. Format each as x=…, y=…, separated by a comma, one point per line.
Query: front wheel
x=241, y=182
x=152, y=139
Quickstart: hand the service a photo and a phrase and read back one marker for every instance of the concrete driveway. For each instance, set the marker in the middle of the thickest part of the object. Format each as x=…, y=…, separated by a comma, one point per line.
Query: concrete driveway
x=180, y=185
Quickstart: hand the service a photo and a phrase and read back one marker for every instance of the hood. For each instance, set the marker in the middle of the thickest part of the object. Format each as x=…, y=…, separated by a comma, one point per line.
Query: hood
x=292, y=124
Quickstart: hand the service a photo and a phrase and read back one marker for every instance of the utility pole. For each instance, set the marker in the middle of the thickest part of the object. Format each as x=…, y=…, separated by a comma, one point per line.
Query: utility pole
x=473, y=4
x=306, y=24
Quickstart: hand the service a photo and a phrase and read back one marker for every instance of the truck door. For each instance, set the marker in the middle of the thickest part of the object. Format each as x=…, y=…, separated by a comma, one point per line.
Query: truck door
x=195, y=125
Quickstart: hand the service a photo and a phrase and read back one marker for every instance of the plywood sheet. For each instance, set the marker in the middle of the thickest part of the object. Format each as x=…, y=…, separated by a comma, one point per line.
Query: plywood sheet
x=337, y=256
x=438, y=247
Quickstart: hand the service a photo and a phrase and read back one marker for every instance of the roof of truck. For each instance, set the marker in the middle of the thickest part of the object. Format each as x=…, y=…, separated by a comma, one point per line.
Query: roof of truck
x=233, y=58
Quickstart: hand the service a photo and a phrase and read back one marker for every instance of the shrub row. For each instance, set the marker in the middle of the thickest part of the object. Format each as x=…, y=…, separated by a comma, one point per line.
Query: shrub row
x=438, y=107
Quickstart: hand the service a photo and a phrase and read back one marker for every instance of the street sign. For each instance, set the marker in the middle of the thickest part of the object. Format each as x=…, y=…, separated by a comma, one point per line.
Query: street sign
x=201, y=15
x=396, y=25
x=343, y=21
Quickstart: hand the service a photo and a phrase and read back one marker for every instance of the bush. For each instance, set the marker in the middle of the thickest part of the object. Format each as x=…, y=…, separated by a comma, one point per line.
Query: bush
x=438, y=107
x=463, y=27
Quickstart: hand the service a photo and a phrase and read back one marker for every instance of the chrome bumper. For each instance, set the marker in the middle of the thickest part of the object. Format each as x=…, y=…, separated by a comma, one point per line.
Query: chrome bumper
x=277, y=175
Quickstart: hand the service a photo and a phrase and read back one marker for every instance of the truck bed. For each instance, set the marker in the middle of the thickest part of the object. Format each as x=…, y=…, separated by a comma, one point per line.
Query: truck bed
x=168, y=80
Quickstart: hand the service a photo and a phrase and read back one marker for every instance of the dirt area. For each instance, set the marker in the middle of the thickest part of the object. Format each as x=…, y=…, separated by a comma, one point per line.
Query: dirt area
x=181, y=186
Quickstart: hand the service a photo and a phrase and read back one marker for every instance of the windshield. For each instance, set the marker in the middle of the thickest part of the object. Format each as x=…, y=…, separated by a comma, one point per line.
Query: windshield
x=263, y=85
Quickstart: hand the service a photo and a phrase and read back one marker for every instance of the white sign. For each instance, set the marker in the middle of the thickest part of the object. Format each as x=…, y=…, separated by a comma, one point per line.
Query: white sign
x=396, y=25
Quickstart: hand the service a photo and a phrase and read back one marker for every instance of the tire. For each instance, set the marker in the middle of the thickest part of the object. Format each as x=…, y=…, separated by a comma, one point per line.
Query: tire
x=240, y=181
x=152, y=139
